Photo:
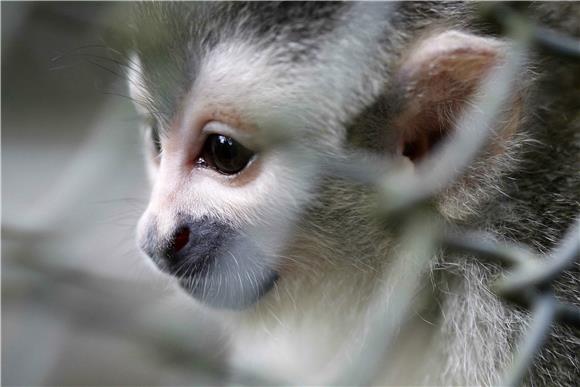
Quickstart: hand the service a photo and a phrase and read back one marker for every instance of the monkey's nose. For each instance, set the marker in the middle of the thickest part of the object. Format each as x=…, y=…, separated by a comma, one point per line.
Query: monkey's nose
x=176, y=251
x=180, y=239
x=192, y=245
x=170, y=251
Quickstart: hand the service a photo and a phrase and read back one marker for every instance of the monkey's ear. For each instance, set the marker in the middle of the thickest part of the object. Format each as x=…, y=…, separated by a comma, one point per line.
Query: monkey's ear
x=438, y=77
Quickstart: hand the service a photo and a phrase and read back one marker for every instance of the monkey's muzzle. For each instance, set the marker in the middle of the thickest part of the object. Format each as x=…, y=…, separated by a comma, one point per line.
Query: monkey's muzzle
x=213, y=262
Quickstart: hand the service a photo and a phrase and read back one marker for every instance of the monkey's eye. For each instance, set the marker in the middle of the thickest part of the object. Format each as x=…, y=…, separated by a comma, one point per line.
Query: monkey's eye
x=225, y=154
x=153, y=128
x=156, y=140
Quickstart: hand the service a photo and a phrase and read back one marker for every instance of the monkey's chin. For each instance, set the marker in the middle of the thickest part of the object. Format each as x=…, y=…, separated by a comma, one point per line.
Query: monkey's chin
x=230, y=291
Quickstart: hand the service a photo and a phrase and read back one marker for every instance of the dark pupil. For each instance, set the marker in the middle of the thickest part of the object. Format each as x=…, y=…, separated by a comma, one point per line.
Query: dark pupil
x=227, y=155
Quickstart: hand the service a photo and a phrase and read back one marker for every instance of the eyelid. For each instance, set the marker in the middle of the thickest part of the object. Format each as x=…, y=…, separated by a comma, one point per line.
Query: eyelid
x=217, y=127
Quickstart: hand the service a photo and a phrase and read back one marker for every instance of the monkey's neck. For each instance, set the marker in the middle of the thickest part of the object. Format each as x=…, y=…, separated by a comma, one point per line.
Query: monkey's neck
x=322, y=331
x=302, y=331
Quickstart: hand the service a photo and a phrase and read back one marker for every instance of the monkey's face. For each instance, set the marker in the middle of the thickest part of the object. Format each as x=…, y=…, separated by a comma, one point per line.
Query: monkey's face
x=235, y=121
x=224, y=198
x=221, y=208
x=240, y=113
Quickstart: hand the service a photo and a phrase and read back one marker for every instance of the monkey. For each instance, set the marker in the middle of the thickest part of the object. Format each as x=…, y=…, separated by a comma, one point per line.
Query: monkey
x=242, y=101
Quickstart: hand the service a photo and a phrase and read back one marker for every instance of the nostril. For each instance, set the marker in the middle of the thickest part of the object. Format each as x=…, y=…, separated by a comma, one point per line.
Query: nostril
x=180, y=239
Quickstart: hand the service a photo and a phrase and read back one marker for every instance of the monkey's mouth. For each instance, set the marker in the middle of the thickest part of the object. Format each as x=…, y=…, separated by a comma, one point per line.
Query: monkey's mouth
x=212, y=261
x=220, y=267
x=231, y=290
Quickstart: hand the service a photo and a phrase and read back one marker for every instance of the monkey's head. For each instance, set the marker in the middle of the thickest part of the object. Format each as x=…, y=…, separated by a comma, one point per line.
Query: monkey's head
x=245, y=101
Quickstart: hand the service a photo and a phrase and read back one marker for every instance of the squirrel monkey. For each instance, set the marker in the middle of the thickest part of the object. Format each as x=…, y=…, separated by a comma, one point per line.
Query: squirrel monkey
x=242, y=99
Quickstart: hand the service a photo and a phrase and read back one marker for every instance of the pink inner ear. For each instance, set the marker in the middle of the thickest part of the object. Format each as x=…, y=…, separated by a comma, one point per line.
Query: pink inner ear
x=418, y=147
x=439, y=77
